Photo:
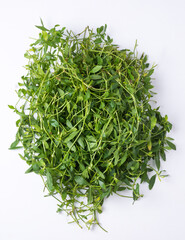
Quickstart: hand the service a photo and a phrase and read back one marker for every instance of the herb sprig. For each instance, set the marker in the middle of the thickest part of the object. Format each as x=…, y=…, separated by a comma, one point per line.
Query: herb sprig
x=85, y=120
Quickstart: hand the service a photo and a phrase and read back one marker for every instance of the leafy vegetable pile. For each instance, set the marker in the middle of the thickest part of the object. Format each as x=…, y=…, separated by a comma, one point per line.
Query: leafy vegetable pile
x=86, y=123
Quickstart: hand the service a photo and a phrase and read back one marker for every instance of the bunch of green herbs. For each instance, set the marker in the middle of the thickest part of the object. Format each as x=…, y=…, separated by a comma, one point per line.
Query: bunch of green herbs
x=85, y=120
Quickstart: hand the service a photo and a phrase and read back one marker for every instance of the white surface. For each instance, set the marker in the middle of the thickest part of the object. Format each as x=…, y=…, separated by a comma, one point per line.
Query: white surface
x=159, y=27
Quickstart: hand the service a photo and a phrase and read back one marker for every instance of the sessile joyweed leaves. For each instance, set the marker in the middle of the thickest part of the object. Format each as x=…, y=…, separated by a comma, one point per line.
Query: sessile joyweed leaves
x=85, y=120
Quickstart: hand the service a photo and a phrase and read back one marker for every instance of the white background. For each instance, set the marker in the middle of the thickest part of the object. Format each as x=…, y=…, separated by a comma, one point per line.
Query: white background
x=159, y=27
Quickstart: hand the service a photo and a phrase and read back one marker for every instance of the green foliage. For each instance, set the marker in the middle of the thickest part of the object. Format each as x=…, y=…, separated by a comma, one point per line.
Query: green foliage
x=86, y=123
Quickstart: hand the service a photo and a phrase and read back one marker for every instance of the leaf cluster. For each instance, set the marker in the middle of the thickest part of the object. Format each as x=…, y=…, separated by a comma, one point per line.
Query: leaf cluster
x=86, y=122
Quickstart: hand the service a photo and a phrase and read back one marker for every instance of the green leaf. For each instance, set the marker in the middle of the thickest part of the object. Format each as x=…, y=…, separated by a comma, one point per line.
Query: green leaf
x=41, y=21
x=109, y=130
x=153, y=121
x=149, y=145
x=29, y=170
x=130, y=164
x=54, y=123
x=95, y=77
x=157, y=160
x=135, y=166
x=137, y=190
x=90, y=138
x=45, y=35
x=169, y=138
x=96, y=69
x=81, y=142
x=85, y=173
x=152, y=181
x=64, y=195
x=89, y=196
x=163, y=155
x=71, y=146
x=23, y=158
x=42, y=28
x=36, y=167
x=18, y=122
x=99, y=60
x=171, y=145
x=61, y=92
x=68, y=107
x=150, y=72
x=70, y=137
x=87, y=95
x=46, y=144
x=99, y=173
x=14, y=145
x=69, y=124
x=102, y=184
x=116, y=157
x=80, y=180
x=98, y=40
x=91, y=142
x=80, y=98
x=130, y=75
x=124, y=158
x=49, y=181
x=11, y=107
